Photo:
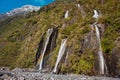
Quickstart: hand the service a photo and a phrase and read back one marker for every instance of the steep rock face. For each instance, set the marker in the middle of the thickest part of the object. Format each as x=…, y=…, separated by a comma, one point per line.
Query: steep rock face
x=22, y=39
x=115, y=59
x=39, y=51
x=50, y=47
x=89, y=46
x=89, y=41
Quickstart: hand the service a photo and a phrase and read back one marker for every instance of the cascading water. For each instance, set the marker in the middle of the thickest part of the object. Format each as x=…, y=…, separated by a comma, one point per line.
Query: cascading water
x=49, y=32
x=78, y=5
x=96, y=14
x=60, y=54
x=98, y=35
x=100, y=53
x=82, y=10
x=66, y=14
x=102, y=65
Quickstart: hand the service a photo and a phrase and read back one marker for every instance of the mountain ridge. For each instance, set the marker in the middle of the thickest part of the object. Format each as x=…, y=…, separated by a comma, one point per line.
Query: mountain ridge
x=20, y=11
x=23, y=39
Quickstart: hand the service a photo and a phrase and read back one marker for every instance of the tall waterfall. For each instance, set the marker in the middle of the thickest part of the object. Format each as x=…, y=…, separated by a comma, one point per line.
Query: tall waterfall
x=49, y=32
x=60, y=54
x=66, y=14
x=100, y=53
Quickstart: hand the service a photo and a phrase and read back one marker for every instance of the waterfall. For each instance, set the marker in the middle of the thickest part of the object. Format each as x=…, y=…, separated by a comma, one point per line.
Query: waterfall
x=39, y=51
x=96, y=14
x=60, y=54
x=98, y=35
x=66, y=14
x=49, y=32
x=78, y=5
x=100, y=53
x=102, y=65
x=81, y=10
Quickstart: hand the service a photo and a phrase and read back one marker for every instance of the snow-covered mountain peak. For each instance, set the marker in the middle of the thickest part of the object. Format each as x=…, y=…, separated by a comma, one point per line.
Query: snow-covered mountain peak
x=20, y=11
x=23, y=10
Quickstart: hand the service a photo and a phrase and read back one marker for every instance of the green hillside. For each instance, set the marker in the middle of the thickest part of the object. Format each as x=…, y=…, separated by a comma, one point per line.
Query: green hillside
x=20, y=36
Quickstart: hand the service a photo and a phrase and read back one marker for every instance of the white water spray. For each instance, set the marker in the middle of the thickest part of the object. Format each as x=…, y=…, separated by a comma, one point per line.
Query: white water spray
x=66, y=14
x=49, y=32
x=96, y=14
x=78, y=5
x=60, y=54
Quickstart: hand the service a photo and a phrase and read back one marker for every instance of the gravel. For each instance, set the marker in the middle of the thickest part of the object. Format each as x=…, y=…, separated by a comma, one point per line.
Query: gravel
x=19, y=74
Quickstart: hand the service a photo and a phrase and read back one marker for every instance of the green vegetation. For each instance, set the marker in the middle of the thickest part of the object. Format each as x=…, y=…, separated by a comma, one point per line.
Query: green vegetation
x=20, y=36
x=79, y=64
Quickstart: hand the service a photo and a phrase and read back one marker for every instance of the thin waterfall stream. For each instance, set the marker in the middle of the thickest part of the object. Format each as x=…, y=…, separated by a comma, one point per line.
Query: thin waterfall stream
x=60, y=54
x=102, y=65
x=96, y=14
x=100, y=53
x=49, y=32
x=66, y=14
x=83, y=13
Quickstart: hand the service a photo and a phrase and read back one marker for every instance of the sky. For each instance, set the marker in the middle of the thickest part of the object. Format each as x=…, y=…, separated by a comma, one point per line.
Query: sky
x=7, y=5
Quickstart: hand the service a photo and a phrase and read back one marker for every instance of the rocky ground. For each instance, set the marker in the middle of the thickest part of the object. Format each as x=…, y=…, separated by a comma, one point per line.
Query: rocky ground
x=28, y=74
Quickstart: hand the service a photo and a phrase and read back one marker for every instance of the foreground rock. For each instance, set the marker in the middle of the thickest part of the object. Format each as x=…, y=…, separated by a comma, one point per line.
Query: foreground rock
x=23, y=74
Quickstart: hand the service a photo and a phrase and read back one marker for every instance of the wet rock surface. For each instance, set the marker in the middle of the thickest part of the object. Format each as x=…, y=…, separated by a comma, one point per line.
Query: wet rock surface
x=21, y=74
